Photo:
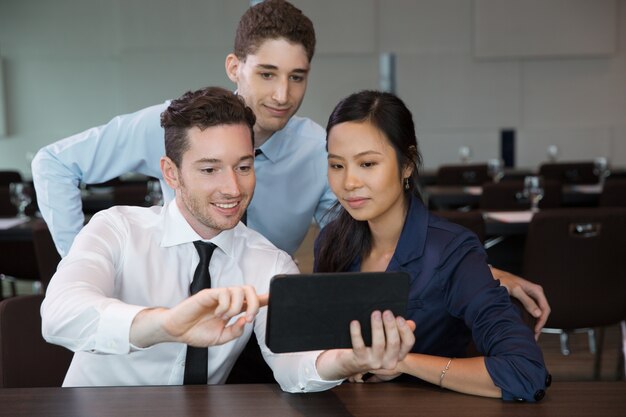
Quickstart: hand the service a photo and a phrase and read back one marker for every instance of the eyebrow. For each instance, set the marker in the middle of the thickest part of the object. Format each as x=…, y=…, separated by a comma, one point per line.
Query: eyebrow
x=216, y=161
x=364, y=153
x=275, y=68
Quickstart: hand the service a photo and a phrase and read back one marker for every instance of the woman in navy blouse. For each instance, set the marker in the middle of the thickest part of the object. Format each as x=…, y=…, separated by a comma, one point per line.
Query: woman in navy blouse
x=382, y=225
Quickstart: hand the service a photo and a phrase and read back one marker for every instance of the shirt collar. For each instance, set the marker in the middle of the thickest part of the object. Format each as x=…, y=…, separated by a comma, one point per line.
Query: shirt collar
x=413, y=237
x=176, y=230
x=277, y=144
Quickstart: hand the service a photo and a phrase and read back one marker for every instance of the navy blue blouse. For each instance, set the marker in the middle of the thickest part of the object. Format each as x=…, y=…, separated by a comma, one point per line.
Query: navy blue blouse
x=454, y=299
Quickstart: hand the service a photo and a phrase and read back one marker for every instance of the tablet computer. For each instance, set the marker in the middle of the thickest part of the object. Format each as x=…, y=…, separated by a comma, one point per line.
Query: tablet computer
x=314, y=311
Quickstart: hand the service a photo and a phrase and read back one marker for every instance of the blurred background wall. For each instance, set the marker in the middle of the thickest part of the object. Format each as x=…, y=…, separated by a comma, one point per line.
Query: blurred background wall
x=552, y=70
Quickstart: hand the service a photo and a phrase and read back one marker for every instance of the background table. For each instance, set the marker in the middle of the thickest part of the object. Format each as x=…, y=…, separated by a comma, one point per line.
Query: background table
x=606, y=399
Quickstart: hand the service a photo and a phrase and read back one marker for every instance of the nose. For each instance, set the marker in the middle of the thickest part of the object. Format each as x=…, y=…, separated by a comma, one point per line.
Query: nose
x=230, y=184
x=351, y=181
x=281, y=91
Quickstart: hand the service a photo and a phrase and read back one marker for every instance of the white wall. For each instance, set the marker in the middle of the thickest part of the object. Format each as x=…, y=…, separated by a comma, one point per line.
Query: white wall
x=73, y=64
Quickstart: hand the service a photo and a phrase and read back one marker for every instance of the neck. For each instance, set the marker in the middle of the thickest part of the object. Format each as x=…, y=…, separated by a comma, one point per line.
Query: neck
x=261, y=136
x=387, y=229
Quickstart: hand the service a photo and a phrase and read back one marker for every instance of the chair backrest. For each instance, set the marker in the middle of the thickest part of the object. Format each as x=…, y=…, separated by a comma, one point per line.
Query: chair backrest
x=46, y=253
x=133, y=194
x=579, y=257
x=7, y=177
x=26, y=359
x=509, y=195
x=466, y=174
x=472, y=220
x=7, y=209
x=613, y=193
x=569, y=172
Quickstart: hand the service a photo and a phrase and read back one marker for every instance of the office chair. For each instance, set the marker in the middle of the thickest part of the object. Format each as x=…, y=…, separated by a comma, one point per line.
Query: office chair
x=509, y=196
x=45, y=252
x=579, y=257
x=463, y=175
x=26, y=359
x=569, y=173
x=613, y=193
x=7, y=177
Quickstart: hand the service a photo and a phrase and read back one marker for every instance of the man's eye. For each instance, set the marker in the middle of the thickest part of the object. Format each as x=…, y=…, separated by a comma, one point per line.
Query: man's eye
x=245, y=169
x=297, y=78
x=266, y=75
x=208, y=170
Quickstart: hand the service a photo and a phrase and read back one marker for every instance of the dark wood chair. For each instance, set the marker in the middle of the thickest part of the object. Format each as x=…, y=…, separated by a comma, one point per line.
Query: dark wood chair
x=579, y=257
x=570, y=173
x=463, y=174
x=509, y=196
x=26, y=359
x=46, y=253
x=613, y=193
x=7, y=177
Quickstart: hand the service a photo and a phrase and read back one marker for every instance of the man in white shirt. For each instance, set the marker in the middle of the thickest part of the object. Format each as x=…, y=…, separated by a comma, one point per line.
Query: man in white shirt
x=120, y=298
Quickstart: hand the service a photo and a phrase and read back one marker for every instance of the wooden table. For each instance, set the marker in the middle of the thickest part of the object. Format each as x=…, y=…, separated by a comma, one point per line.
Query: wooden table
x=606, y=399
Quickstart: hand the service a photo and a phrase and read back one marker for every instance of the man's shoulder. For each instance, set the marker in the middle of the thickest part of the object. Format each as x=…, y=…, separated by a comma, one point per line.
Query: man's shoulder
x=130, y=216
x=251, y=240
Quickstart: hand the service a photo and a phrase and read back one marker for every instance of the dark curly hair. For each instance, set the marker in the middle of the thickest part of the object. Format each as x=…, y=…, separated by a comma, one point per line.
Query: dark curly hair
x=273, y=19
x=207, y=107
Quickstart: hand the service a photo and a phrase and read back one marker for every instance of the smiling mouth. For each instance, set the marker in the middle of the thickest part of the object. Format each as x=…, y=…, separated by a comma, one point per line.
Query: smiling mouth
x=226, y=205
x=275, y=110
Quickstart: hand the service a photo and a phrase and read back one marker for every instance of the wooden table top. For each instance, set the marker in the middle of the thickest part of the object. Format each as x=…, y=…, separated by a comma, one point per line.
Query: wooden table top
x=606, y=399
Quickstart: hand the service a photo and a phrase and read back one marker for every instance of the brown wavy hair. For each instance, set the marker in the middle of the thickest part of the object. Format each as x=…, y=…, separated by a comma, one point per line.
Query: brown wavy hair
x=273, y=19
x=207, y=107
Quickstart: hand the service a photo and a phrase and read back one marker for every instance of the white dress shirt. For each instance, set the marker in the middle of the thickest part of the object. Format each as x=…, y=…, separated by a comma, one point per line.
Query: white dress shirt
x=130, y=258
x=291, y=182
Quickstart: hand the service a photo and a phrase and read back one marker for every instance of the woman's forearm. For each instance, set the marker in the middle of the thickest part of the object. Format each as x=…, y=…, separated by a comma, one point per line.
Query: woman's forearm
x=466, y=375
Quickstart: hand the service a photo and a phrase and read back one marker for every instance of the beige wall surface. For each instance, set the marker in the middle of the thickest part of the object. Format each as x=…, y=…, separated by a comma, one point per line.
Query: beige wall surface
x=72, y=64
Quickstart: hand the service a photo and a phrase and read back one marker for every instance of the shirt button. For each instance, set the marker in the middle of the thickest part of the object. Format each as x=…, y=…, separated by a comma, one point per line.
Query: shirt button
x=539, y=395
x=548, y=380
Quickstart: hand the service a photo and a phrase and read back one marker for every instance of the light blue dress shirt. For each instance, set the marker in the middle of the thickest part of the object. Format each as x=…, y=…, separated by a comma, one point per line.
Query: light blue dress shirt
x=291, y=189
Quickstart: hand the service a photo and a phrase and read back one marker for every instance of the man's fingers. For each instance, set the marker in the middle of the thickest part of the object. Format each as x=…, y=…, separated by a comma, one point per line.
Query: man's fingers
x=529, y=304
x=231, y=332
x=263, y=300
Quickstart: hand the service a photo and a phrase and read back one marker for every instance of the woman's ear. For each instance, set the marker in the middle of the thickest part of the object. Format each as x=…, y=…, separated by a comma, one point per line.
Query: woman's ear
x=232, y=66
x=170, y=172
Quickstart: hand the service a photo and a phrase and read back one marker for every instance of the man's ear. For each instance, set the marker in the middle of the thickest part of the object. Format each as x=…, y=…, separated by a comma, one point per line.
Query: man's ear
x=170, y=173
x=232, y=66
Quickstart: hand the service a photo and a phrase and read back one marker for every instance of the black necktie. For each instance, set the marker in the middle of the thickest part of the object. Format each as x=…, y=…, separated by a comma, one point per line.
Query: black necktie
x=197, y=358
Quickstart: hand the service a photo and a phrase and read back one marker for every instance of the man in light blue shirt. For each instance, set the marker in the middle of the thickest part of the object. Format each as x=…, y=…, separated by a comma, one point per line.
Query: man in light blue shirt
x=270, y=66
x=274, y=45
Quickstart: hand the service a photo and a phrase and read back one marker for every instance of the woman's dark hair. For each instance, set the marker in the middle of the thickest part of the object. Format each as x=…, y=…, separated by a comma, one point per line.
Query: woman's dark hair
x=345, y=238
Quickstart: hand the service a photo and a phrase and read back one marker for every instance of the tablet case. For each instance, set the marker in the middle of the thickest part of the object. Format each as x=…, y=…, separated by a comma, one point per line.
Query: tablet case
x=314, y=311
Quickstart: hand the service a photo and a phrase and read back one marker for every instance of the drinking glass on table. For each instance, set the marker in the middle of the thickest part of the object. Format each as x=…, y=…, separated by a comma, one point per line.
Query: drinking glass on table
x=601, y=169
x=21, y=196
x=154, y=197
x=533, y=191
x=496, y=170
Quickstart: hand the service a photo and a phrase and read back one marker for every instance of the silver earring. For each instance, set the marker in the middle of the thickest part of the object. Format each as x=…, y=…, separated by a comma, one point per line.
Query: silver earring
x=406, y=183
